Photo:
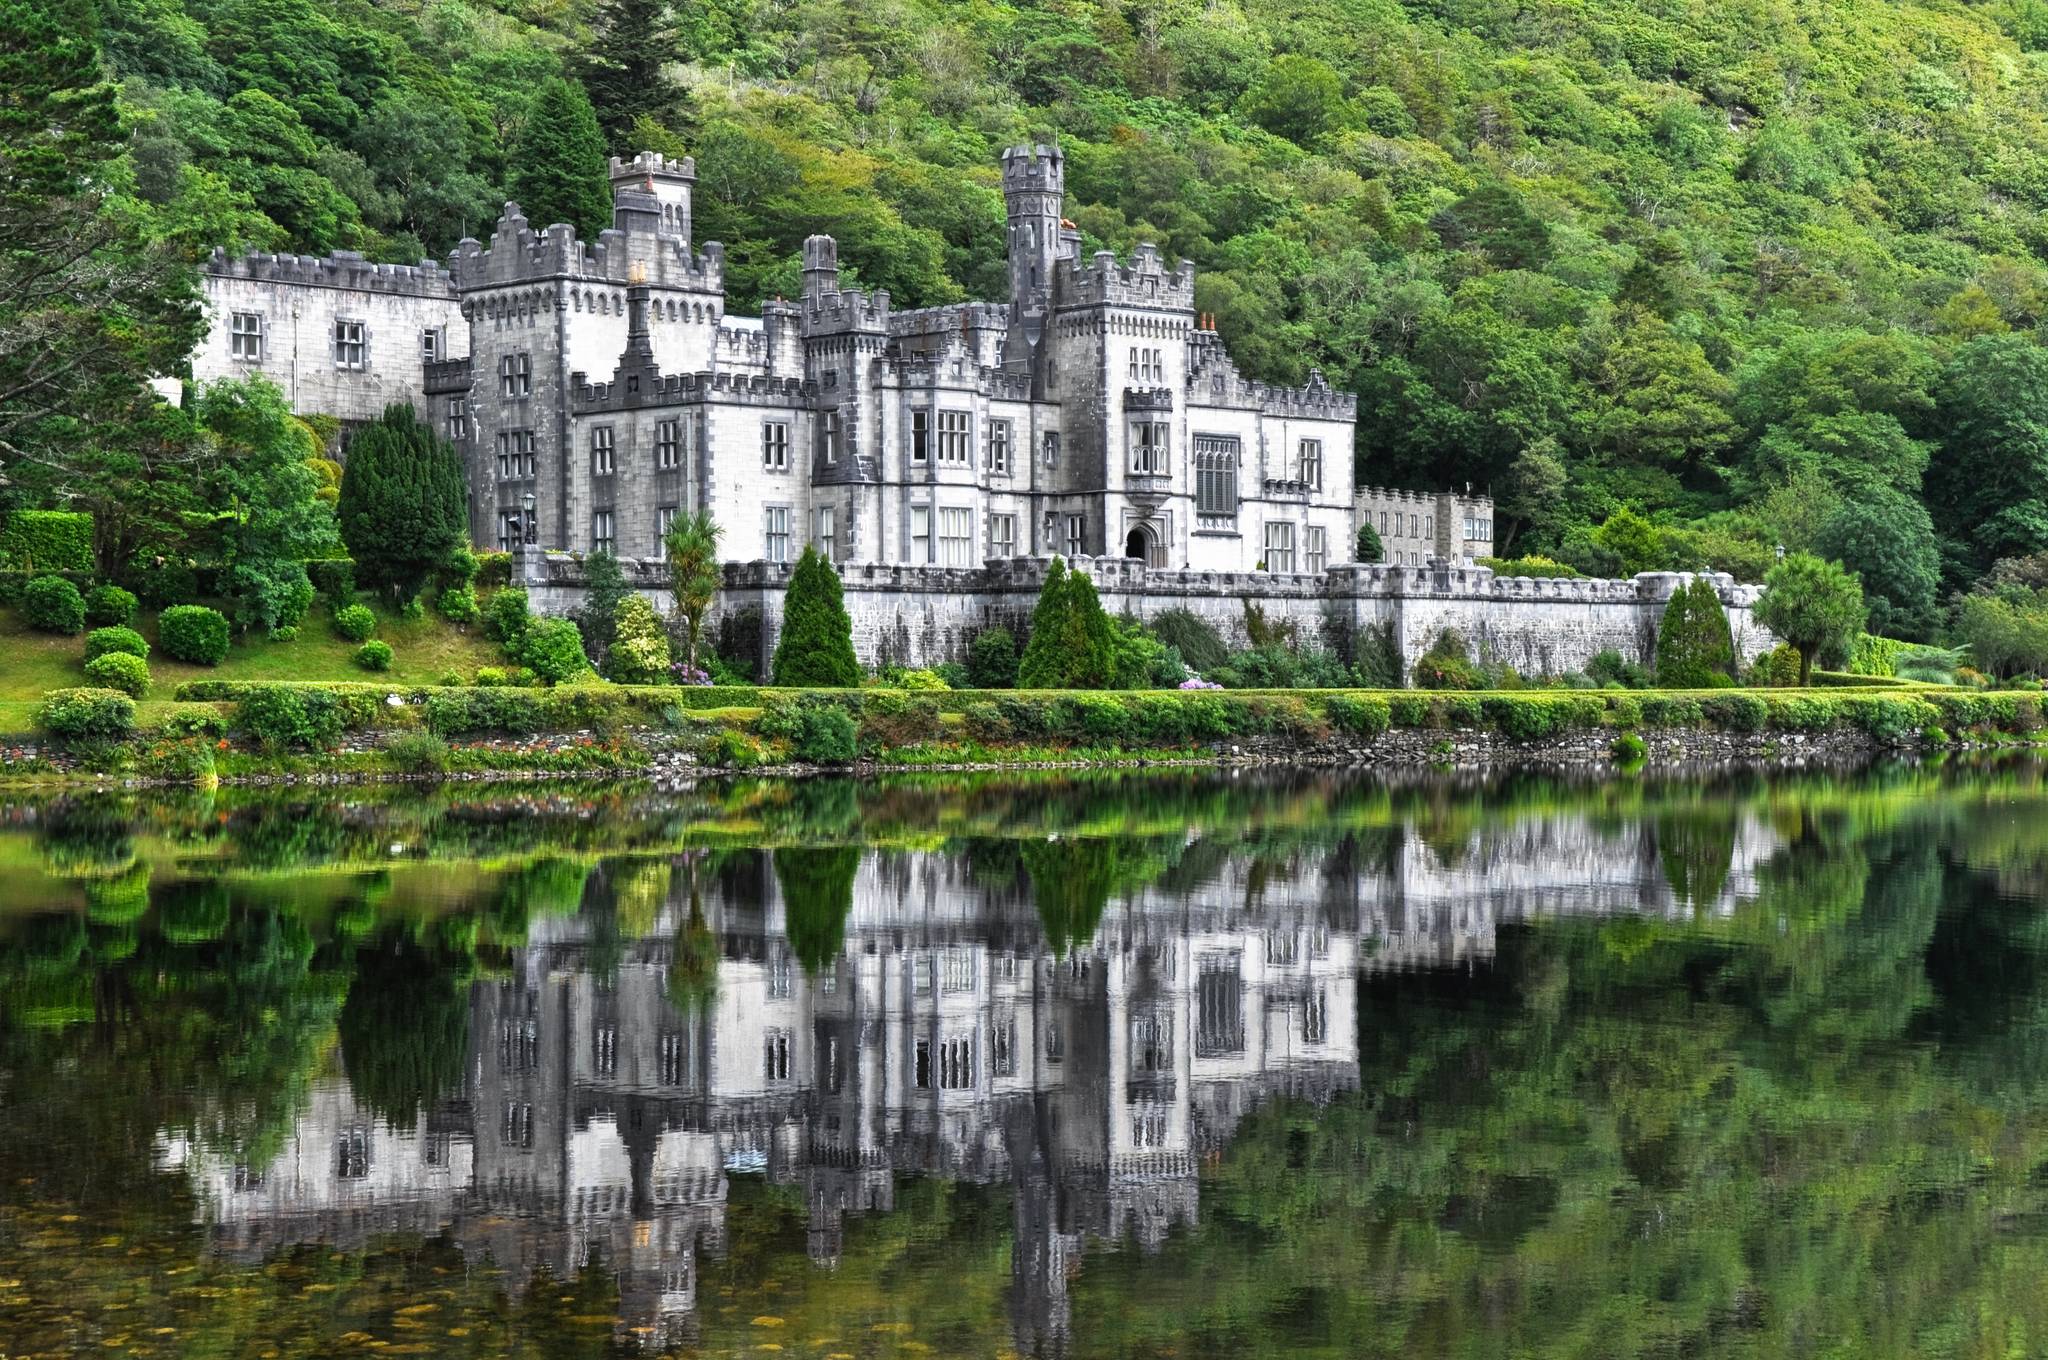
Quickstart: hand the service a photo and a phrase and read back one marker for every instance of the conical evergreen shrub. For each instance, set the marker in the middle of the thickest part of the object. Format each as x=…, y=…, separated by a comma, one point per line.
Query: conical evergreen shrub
x=1694, y=647
x=1040, y=668
x=816, y=645
x=403, y=509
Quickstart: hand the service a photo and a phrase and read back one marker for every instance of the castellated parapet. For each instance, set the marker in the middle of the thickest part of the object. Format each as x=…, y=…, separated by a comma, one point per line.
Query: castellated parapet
x=1144, y=282
x=342, y=269
x=517, y=254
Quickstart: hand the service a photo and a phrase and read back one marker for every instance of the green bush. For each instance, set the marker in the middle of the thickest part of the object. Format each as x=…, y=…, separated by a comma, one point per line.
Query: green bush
x=123, y=671
x=417, y=752
x=1526, y=718
x=100, y=641
x=193, y=633
x=891, y=718
x=1611, y=669
x=354, y=622
x=1803, y=713
x=110, y=607
x=988, y=724
x=1628, y=748
x=553, y=649
x=334, y=578
x=639, y=652
x=285, y=632
x=1408, y=710
x=1534, y=567
x=1364, y=716
x=505, y=616
x=282, y=716
x=1446, y=665
x=374, y=656
x=47, y=540
x=86, y=714
x=825, y=735
x=457, y=604
x=413, y=610
x=51, y=604
x=1624, y=710
x=1893, y=721
x=1736, y=712
x=1659, y=711
x=1776, y=669
x=732, y=749
x=1197, y=641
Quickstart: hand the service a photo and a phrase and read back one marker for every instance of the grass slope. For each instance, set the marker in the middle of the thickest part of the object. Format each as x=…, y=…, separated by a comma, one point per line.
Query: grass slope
x=32, y=663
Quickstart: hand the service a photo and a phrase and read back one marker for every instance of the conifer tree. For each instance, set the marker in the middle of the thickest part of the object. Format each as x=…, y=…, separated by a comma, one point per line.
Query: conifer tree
x=1072, y=645
x=816, y=645
x=1694, y=647
x=560, y=173
x=625, y=67
x=402, y=507
x=1040, y=668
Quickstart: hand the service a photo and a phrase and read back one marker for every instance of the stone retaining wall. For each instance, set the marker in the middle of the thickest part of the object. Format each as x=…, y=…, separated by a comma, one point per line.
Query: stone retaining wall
x=918, y=616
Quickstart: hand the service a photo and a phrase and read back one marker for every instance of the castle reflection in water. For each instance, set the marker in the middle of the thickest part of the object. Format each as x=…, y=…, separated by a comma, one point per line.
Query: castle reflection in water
x=600, y=1122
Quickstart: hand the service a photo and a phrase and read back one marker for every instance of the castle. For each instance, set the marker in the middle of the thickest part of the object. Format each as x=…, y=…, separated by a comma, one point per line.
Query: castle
x=940, y=456
x=598, y=389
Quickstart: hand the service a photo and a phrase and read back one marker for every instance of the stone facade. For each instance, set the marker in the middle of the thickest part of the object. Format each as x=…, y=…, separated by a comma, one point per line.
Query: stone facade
x=919, y=616
x=1416, y=527
x=339, y=335
x=1091, y=413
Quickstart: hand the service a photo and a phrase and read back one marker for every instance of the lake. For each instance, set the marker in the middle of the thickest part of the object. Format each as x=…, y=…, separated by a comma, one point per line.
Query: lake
x=1153, y=1065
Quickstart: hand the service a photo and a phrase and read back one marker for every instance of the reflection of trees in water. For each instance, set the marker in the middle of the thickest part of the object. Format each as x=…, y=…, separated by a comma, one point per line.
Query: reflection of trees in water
x=89, y=835
x=692, y=982
x=1696, y=847
x=1072, y=881
x=405, y=1026
x=817, y=897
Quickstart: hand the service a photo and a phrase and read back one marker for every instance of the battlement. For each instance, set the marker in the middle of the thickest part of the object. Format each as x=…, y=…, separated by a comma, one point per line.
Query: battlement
x=1034, y=168
x=653, y=165
x=342, y=269
x=847, y=309
x=676, y=389
x=950, y=318
x=518, y=253
x=1144, y=282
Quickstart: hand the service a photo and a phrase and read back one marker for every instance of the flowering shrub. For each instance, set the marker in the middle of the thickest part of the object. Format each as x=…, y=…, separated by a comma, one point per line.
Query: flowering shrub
x=683, y=673
x=1197, y=682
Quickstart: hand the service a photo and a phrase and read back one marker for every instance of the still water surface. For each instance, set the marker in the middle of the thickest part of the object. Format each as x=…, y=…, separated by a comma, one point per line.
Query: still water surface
x=1193, y=1065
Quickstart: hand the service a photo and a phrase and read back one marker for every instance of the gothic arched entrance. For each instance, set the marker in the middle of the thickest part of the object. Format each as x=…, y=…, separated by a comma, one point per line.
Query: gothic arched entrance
x=1143, y=543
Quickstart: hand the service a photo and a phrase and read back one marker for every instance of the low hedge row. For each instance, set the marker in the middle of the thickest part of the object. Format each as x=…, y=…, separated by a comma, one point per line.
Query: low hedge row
x=885, y=719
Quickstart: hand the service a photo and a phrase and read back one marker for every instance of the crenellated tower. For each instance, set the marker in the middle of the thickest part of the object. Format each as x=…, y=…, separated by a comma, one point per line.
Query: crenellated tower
x=667, y=183
x=1034, y=183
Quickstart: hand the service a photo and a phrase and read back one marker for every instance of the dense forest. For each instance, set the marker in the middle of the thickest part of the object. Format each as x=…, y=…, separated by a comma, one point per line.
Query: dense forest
x=1764, y=272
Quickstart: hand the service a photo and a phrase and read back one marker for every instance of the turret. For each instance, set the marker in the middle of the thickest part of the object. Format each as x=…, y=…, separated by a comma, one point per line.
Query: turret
x=821, y=267
x=652, y=192
x=1034, y=181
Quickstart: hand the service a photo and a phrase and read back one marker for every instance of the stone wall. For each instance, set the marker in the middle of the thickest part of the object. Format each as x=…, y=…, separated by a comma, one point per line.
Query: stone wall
x=918, y=616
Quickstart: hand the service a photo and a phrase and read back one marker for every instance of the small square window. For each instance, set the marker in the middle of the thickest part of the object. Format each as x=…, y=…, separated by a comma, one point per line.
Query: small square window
x=245, y=337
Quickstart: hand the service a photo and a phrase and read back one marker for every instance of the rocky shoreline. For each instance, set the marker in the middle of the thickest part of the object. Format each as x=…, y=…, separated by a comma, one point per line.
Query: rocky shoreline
x=670, y=760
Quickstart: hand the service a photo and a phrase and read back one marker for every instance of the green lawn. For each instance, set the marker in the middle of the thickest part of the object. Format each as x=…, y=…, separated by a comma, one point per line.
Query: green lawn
x=33, y=663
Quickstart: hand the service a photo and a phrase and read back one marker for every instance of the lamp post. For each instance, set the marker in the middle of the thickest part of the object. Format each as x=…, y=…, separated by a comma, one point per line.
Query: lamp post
x=529, y=527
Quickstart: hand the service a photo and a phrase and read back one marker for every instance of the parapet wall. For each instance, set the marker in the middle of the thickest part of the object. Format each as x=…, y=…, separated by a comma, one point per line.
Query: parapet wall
x=918, y=616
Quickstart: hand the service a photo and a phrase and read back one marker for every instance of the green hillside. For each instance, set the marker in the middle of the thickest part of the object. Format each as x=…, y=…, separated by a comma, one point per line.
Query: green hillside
x=1752, y=268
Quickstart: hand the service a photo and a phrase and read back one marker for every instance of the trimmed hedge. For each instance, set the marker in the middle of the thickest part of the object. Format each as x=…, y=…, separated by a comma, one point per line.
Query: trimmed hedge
x=110, y=607
x=52, y=604
x=47, y=540
x=86, y=714
x=354, y=622
x=101, y=641
x=374, y=655
x=194, y=633
x=123, y=671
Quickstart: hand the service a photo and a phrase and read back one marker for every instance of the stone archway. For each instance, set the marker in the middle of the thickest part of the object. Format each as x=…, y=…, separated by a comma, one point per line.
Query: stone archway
x=1142, y=542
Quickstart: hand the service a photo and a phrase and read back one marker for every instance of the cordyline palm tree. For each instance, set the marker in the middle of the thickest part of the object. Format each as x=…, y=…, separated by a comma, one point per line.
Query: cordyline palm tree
x=693, y=573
